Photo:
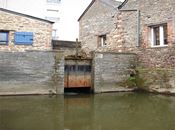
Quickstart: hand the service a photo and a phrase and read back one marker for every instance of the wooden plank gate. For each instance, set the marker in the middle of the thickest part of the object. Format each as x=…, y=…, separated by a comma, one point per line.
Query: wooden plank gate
x=77, y=73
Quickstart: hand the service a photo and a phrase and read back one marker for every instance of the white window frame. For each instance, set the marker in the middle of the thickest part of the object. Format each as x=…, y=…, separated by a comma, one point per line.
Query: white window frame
x=161, y=36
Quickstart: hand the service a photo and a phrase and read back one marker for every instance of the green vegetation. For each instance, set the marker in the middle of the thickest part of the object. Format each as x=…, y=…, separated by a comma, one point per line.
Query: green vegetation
x=135, y=80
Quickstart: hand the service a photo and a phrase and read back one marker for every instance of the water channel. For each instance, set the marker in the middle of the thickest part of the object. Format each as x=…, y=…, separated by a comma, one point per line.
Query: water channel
x=114, y=111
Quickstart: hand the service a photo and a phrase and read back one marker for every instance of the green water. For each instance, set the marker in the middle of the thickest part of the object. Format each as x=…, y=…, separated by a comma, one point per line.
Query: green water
x=120, y=111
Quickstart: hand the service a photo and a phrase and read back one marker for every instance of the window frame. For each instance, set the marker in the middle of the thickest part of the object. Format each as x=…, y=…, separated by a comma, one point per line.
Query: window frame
x=7, y=38
x=102, y=40
x=157, y=37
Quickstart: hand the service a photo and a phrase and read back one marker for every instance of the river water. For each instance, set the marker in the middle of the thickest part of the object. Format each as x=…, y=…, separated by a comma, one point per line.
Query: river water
x=114, y=111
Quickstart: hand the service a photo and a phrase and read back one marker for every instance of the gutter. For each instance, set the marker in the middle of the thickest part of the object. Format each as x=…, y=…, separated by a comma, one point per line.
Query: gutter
x=138, y=24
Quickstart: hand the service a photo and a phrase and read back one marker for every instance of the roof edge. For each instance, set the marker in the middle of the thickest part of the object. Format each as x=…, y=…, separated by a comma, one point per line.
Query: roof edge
x=25, y=15
x=122, y=4
x=92, y=2
x=115, y=7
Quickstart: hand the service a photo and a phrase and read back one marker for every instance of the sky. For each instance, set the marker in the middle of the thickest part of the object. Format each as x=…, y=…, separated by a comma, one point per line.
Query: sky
x=69, y=25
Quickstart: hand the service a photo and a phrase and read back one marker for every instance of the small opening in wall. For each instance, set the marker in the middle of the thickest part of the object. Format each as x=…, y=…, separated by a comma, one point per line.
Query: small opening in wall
x=82, y=90
x=102, y=40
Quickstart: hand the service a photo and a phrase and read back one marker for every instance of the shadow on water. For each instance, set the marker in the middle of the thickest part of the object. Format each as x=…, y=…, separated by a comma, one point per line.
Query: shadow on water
x=109, y=111
x=83, y=90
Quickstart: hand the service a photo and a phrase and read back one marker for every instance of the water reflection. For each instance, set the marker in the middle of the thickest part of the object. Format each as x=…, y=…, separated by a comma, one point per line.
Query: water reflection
x=120, y=111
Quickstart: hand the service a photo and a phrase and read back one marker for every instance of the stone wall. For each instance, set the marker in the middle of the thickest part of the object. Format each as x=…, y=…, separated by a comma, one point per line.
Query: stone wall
x=68, y=47
x=159, y=80
x=15, y=22
x=98, y=20
x=124, y=37
x=111, y=70
x=156, y=65
x=31, y=73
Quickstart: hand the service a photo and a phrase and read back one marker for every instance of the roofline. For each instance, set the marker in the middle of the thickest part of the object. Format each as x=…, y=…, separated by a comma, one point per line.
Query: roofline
x=122, y=4
x=25, y=15
x=92, y=2
x=111, y=5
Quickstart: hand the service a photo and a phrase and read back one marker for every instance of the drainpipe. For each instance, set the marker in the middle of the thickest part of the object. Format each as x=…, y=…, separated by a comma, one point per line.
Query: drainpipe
x=138, y=24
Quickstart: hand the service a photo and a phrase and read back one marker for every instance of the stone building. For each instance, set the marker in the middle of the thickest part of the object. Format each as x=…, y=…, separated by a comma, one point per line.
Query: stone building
x=27, y=63
x=147, y=28
x=96, y=22
x=20, y=32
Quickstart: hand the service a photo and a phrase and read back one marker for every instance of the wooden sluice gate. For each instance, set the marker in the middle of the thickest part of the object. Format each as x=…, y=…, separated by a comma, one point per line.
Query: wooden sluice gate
x=77, y=73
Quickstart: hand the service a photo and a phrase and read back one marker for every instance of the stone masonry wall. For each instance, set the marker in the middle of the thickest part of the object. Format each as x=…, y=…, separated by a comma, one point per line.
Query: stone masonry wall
x=112, y=69
x=156, y=65
x=124, y=37
x=31, y=73
x=13, y=22
x=98, y=20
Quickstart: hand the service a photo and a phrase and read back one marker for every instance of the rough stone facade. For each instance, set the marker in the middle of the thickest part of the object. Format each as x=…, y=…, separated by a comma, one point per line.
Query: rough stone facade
x=98, y=19
x=31, y=73
x=68, y=47
x=15, y=22
x=156, y=64
x=124, y=38
x=111, y=70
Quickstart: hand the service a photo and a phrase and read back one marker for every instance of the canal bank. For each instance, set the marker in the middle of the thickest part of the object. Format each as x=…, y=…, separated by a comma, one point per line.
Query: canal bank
x=31, y=72
x=50, y=72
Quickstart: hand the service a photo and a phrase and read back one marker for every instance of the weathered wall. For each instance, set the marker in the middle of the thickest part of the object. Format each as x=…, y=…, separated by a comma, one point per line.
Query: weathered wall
x=13, y=22
x=111, y=69
x=68, y=47
x=161, y=80
x=124, y=37
x=98, y=20
x=31, y=73
x=155, y=64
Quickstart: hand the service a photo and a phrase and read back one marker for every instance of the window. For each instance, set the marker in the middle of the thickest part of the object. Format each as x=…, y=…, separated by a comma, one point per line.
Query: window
x=53, y=1
x=3, y=37
x=159, y=35
x=23, y=38
x=102, y=40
